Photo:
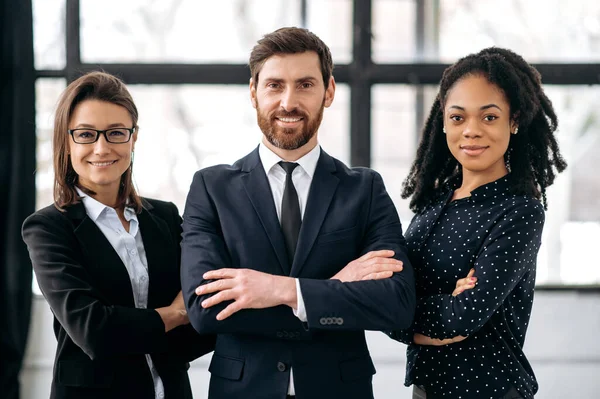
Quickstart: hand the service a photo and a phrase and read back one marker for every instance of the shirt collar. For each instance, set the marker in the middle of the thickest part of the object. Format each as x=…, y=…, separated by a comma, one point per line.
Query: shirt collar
x=491, y=189
x=95, y=208
x=308, y=162
x=485, y=191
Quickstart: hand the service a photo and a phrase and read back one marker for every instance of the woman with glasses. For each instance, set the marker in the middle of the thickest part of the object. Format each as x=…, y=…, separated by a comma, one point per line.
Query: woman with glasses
x=107, y=260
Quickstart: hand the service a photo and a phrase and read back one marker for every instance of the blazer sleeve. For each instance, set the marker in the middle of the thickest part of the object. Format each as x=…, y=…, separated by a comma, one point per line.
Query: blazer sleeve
x=204, y=249
x=509, y=252
x=378, y=305
x=99, y=328
x=184, y=342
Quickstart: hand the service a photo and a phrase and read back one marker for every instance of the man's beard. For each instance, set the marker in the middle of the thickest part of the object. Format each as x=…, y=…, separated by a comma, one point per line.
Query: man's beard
x=289, y=139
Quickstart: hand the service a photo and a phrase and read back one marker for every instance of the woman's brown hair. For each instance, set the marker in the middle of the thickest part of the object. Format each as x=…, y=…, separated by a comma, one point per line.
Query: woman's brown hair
x=91, y=86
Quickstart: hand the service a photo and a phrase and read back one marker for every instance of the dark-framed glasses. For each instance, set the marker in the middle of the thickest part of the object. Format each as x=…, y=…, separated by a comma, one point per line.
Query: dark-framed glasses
x=117, y=135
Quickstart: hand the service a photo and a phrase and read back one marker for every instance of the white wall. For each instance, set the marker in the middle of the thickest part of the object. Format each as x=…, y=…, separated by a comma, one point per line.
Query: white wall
x=562, y=344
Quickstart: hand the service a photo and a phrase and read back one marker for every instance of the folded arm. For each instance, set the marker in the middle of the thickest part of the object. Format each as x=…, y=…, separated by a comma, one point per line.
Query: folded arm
x=204, y=250
x=99, y=328
x=382, y=304
x=508, y=254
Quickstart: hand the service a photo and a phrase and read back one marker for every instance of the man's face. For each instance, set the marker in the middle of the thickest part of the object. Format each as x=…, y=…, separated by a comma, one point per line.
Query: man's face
x=289, y=98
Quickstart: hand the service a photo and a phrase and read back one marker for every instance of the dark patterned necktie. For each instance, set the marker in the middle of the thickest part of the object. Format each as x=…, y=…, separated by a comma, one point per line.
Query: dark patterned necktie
x=290, y=211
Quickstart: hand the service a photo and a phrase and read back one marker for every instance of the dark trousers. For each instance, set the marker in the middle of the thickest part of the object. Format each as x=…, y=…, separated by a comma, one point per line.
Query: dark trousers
x=418, y=393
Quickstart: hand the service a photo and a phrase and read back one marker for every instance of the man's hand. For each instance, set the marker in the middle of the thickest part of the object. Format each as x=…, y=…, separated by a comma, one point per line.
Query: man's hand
x=466, y=283
x=374, y=265
x=421, y=339
x=248, y=289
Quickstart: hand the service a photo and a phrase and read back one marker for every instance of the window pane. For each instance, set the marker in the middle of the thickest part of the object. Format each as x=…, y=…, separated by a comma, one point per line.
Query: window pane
x=47, y=92
x=185, y=128
x=172, y=31
x=49, y=33
x=572, y=229
x=394, y=138
x=528, y=27
x=393, y=30
x=331, y=20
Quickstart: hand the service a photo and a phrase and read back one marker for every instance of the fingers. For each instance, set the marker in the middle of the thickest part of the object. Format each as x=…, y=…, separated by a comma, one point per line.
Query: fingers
x=460, y=288
x=466, y=283
x=216, y=299
x=378, y=276
x=229, y=310
x=215, y=286
x=458, y=338
x=385, y=253
x=383, y=261
x=380, y=265
x=381, y=270
x=221, y=273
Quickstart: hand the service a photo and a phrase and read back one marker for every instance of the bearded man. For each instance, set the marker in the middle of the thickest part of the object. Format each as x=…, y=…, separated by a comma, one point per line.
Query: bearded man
x=288, y=255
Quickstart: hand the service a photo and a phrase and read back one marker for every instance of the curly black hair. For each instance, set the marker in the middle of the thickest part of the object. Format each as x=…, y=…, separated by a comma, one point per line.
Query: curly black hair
x=534, y=154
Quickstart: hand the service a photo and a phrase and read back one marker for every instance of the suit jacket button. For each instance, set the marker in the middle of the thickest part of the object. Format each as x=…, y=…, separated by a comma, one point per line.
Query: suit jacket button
x=281, y=366
x=323, y=321
x=340, y=321
x=279, y=334
x=330, y=320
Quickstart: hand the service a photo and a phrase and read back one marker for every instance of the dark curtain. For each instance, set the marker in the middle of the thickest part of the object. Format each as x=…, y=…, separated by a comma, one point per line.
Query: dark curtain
x=17, y=185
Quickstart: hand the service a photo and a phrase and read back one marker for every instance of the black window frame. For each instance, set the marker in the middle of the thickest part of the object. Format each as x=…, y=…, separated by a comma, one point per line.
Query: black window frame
x=360, y=75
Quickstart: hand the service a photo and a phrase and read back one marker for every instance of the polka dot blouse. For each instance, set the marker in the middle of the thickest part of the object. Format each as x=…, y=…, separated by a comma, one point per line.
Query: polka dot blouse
x=499, y=235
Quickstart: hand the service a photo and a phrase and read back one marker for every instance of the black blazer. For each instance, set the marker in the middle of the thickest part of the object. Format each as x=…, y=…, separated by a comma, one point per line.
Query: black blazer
x=102, y=337
x=230, y=221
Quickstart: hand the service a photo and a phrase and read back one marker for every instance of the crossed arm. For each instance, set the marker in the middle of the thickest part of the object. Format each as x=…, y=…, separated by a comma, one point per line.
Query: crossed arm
x=508, y=254
x=100, y=328
x=215, y=296
x=251, y=289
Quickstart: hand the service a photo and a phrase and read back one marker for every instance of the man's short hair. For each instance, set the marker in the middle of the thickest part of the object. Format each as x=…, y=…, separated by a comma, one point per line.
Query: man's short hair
x=290, y=40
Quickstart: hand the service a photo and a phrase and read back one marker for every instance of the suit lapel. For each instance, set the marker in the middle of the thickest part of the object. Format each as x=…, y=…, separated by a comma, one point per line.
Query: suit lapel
x=259, y=192
x=322, y=189
x=97, y=248
x=154, y=236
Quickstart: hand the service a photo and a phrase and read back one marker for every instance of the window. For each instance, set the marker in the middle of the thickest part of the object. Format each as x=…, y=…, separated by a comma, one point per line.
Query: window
x=184, y=128
x=387, y=69
x=525, y=26
x=177, y=31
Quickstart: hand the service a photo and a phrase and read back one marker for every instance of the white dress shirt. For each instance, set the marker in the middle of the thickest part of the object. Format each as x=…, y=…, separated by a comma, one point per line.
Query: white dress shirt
x=302, y=178
x=130, y=248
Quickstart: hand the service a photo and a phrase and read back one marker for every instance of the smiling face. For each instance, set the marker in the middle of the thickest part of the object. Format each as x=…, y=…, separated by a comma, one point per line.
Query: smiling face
x=478, y=126
x=289, y=98
x=100, y=165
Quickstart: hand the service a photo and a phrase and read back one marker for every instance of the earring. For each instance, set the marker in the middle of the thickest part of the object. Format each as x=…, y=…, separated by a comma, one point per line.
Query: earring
x=507, y=159
x=516, y=130
x=444, y=129
x=132, y=156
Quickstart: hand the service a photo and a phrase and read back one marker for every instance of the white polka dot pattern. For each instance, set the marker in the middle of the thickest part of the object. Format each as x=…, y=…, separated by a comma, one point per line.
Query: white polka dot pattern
x=498, y=234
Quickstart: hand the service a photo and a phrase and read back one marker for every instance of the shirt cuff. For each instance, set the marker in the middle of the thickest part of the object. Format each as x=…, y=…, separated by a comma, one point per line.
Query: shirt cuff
x=300, y=311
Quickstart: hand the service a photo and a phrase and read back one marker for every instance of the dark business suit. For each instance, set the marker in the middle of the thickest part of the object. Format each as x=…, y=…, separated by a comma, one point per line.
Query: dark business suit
x=101, y=337
x=230, y=221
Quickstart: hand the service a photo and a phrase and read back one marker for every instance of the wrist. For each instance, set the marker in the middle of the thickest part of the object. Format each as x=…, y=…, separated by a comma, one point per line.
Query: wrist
x=171, y=318
x=287, y=294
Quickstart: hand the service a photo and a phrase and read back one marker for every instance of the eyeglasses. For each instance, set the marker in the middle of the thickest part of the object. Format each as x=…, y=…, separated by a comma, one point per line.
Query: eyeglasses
x=118, y=135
